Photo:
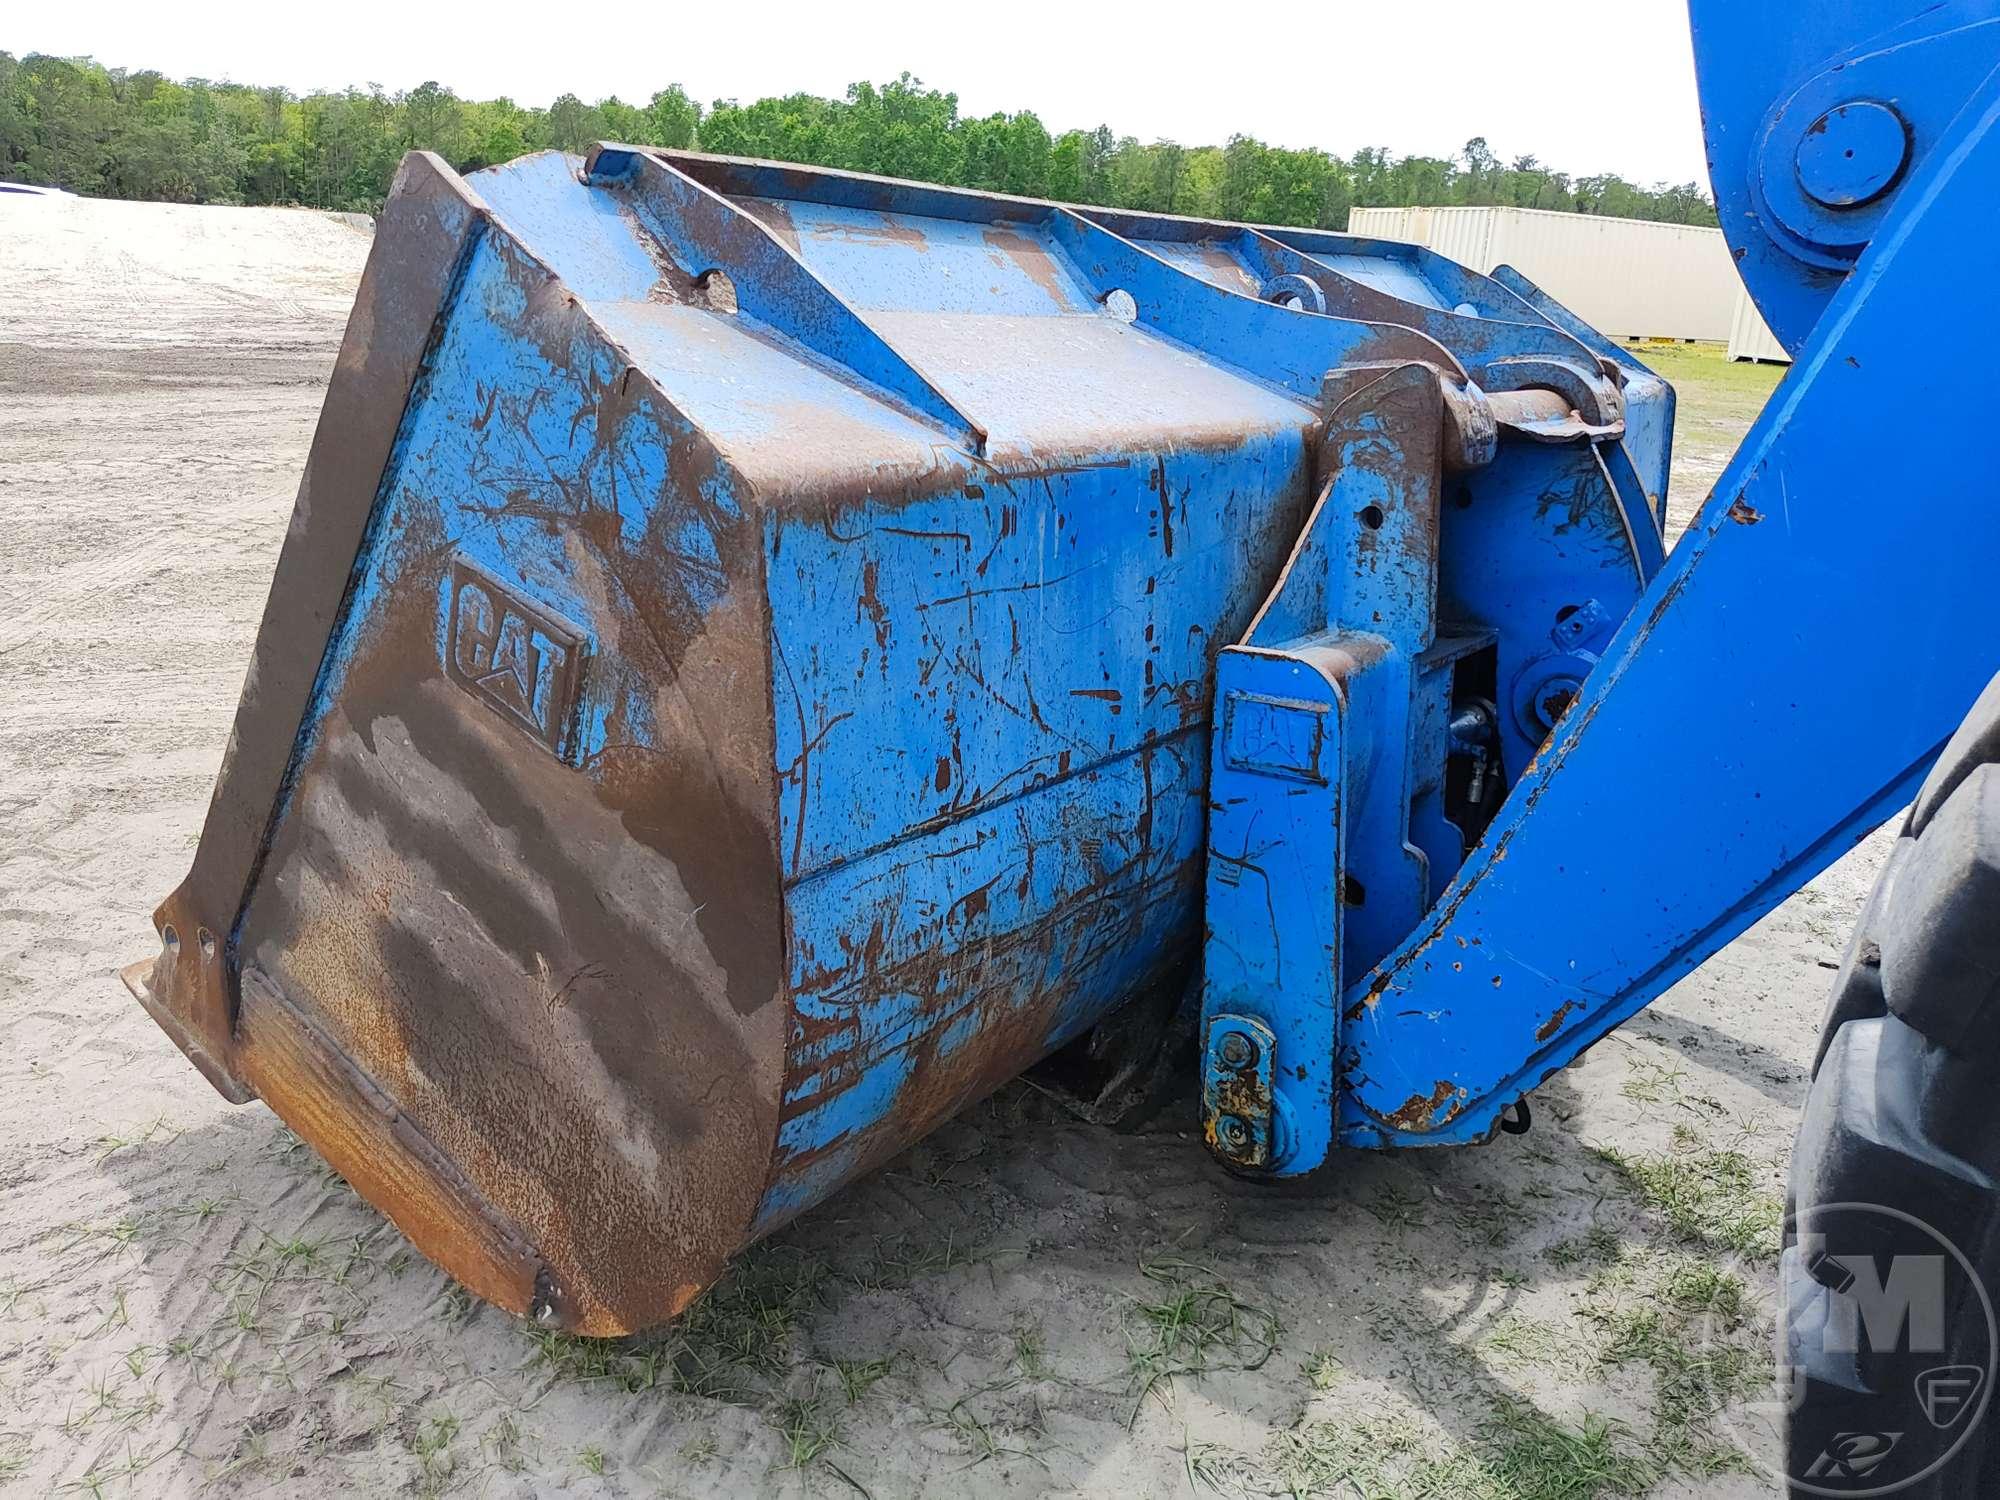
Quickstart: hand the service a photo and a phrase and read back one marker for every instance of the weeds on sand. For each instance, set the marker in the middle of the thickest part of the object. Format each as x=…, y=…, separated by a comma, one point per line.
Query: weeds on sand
x=1192, y=1324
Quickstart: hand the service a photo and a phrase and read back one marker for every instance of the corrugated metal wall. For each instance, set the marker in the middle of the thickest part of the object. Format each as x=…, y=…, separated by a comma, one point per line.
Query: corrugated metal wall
x=1751, y=338
x=1628, y=278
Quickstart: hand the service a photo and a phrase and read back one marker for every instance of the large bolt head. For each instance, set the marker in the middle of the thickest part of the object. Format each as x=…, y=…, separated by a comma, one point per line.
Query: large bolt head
x=1853, y=154
x=1233, y=1134
x=1236, y=1050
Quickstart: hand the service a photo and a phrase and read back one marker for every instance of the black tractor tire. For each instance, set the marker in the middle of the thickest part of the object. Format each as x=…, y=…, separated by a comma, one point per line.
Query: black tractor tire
x=1891, y=1268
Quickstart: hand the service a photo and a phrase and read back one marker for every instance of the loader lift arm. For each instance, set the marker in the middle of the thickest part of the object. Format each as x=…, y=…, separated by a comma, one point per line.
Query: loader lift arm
x=1779, y=689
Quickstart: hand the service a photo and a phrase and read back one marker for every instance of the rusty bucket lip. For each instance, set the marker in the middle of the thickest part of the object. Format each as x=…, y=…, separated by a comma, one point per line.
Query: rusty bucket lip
x=138, y=978
x=317, y=1093
x=254, y=1033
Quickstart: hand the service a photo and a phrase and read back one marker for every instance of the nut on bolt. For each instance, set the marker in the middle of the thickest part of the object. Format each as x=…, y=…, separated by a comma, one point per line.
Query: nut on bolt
x=1236, y=1051
x=1233, y=1134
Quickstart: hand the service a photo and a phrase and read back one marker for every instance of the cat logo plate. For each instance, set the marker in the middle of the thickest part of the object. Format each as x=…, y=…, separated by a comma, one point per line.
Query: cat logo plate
x=518, y=658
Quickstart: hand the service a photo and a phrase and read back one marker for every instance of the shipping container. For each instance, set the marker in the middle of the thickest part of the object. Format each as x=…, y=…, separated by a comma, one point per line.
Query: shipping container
x=1630, y=278
x=1750, y=337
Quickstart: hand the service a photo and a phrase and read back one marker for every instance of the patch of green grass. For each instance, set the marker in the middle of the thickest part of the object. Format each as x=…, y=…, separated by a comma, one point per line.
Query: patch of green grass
x=1533, y=1341
x=1691, y=1322
x=1539, y=1458
x=745, y=1322
x=1399, y=1207
x=1596, y=1246
x=1699, y=1286
x=155, y=1129
x=699, y=1450
x=591, y=1461
x=1366, y=1456
x=99, y=1401
x=1654, y=1083
x=858, y=1375
x=1488, y=1218
x=1323, y=1372
x=1520, y=1453
x=1219, y=1470
x=114, y=1238
x=1709, y=1197
x=201, y=1210
x=633, y=1365
x=290, y=1151
x=456, y=1306
x=1193, y=1323
x=807, y=1427
x=1708, y=369
x=729, y=1345
x=905, y=1260
x=1694, y=1377
x=503, y=1437
x=117, y=1315
x=432, y=1449
x=974, y=1433
x=1666, y=1083
x=1031, y=1357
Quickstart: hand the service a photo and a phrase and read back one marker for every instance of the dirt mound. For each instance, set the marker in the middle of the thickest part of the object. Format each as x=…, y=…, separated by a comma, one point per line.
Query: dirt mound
x=90, y=273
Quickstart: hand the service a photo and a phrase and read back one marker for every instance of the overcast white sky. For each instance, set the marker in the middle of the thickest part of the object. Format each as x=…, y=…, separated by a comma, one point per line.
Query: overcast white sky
x=1611, y=93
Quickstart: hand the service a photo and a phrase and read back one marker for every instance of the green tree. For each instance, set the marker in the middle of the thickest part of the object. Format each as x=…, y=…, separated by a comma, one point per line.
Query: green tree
x=137, y=134
x=619, y=121
x=69, y=113
x=901, y=129
x=570, y=125
x=675, y=119
x=434, y=120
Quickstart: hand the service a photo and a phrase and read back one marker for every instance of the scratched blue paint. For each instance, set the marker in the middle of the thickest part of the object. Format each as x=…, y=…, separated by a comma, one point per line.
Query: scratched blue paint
x=831, y=1114
x=1039, y=912
x=962, y=267
x=502, y=441
x=799, y=1189
x=950, y=655
x=1086, y=617
x=1009, y=548
x=1742, y=731
x=1649, y=401
x=582, y=236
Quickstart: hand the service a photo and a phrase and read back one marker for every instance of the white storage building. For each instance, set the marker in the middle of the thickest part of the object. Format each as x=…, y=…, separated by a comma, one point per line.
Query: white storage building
x=1750, y=337
x=1628, y=278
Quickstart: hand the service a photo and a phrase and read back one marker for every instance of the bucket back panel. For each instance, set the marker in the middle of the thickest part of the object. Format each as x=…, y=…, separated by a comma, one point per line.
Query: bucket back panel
x=942, y=656
x=991, y=716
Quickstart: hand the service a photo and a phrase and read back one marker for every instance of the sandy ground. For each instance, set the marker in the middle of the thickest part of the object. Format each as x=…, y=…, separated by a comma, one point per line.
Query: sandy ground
x=1022, y=1304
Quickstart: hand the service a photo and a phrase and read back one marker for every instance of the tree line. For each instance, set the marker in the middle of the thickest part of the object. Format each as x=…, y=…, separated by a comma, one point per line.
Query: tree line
x=72, y=123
